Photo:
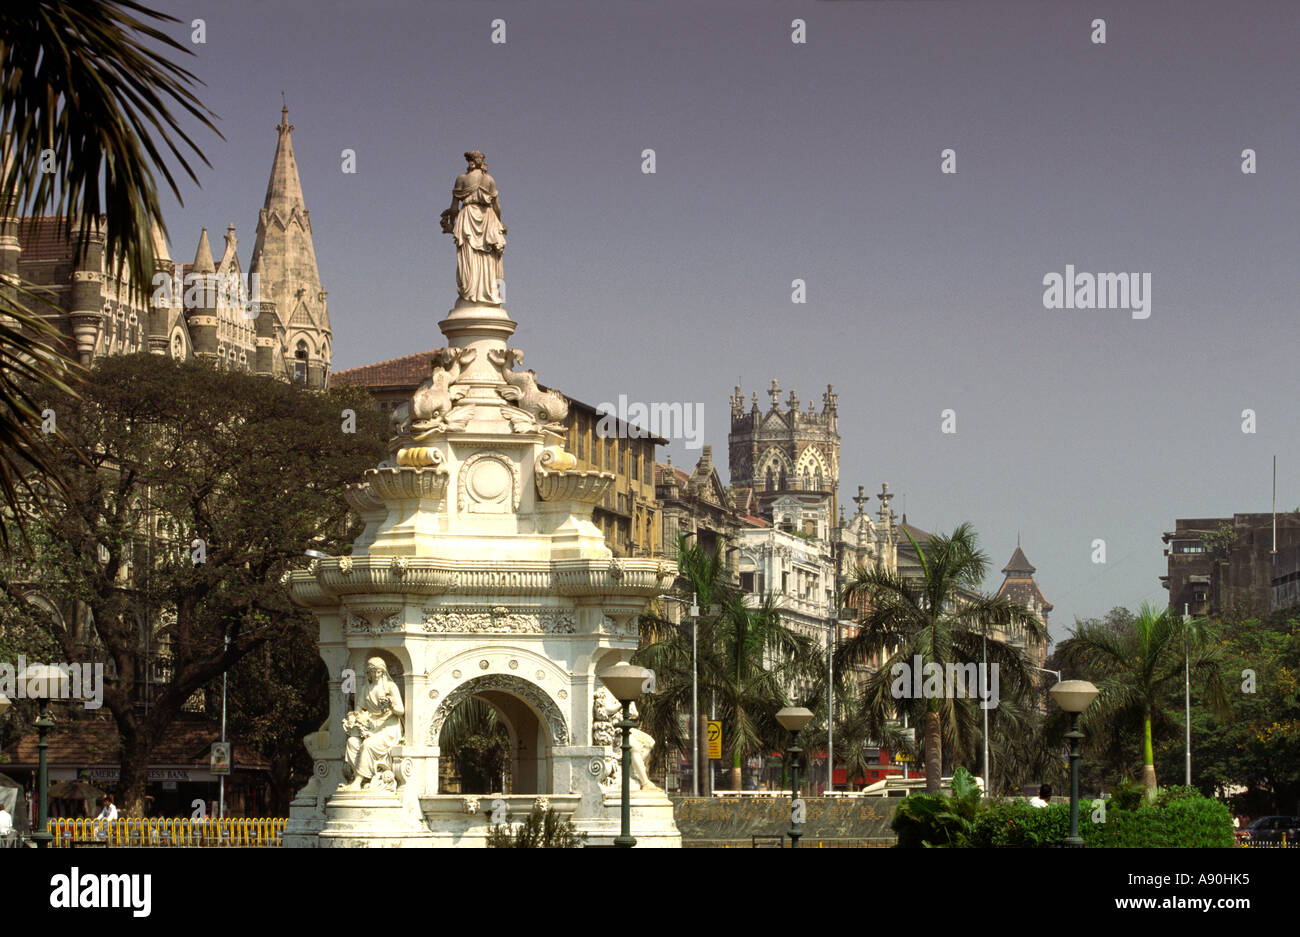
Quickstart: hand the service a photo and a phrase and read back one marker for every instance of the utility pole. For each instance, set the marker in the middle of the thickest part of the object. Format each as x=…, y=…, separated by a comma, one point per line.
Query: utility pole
x=830, y=707
x=984, y=700
x=1187, y=694
x=695, y=695
x=221, y=807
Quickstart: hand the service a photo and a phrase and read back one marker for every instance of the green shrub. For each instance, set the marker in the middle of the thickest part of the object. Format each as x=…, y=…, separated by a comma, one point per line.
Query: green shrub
x=1021, y=825
x=539, y=830
x=934, y=820
x=1167, y=795
x=1183, y=823
x=1129, y=795
x=1179, y=819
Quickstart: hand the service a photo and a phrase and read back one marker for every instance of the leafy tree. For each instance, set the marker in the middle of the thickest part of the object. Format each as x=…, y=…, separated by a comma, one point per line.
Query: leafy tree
x=1134, y=669
x=83, y=87
x=187, y=494
x=277, y=695
x=1258, y=746
x=940, y=619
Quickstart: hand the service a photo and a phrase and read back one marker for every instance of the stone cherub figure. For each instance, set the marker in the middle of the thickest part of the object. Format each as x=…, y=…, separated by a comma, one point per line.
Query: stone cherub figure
x=607, y=713
x=374, y=728
x=474, y=221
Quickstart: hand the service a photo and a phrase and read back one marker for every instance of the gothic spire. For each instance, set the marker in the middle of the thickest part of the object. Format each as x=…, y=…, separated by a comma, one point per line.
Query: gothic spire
x=284, y=190
x=203, y=256
x=284, y=260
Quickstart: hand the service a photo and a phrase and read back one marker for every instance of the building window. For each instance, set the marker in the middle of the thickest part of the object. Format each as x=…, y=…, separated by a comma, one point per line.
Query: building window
x=300, y=363
x=768, y=480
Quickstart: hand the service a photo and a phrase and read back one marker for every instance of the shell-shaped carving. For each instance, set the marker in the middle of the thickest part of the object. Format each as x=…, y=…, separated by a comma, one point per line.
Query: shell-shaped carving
x=362, y=498
x=585, y=487
x=407, y=482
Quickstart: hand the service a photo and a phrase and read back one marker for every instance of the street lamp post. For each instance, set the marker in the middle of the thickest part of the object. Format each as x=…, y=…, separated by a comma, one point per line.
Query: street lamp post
x=43, y=683
x=1073, y=696
x=625, y=680
x=695, y=697
x=792, y=719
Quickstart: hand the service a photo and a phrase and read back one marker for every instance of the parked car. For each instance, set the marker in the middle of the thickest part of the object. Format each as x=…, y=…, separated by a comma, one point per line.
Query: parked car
x=1270, y=830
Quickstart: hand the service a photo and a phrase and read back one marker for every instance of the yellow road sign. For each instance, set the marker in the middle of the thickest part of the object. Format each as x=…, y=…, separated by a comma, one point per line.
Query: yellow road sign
x=903, y=757
x=715, y=739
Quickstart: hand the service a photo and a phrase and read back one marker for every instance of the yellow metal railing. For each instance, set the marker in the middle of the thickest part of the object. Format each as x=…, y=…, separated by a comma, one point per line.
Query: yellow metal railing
x=169, y=831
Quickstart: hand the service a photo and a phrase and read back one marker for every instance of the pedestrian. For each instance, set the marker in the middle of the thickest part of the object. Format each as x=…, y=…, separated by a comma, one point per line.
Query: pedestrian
x=1044, y=796
x=6, y=822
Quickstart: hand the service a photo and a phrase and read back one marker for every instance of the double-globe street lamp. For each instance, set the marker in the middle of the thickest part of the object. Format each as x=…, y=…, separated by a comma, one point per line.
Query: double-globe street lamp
x=625, y=681
x=1073, y=696
x=792, y=719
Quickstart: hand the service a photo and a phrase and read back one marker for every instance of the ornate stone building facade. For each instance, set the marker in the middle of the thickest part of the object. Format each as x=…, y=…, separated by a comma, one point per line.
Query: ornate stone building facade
x=789, y=459
x=273, y=322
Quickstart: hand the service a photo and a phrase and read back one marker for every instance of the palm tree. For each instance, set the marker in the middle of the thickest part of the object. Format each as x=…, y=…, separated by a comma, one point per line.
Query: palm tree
x=1136, y=667
x=941, y=619
x=764, y=665
x=477, y=740
x=84, y=115
x=748, y=661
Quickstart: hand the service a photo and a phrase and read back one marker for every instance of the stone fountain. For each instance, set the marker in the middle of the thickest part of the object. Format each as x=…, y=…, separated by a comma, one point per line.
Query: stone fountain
x=479, y=574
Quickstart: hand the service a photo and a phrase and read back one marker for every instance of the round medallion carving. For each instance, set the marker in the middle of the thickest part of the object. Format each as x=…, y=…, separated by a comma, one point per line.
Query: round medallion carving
x=455, y=674
x=482, y=665
x=514, y=665
x=489, y=480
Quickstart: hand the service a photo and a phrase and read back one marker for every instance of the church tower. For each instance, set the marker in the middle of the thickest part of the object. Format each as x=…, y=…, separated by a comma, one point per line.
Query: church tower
x=1019, y=586
x=789, y=458
x=283, y=271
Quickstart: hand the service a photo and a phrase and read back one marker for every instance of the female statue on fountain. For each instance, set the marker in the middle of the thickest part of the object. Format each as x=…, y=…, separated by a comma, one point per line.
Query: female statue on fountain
x=374, y=728
x=479, y=233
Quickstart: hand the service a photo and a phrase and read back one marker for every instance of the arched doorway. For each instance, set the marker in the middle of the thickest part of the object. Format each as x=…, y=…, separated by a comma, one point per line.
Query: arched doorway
x=533, y=721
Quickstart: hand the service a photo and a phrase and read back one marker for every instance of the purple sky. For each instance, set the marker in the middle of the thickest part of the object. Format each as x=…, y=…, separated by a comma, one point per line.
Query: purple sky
x=821, y=161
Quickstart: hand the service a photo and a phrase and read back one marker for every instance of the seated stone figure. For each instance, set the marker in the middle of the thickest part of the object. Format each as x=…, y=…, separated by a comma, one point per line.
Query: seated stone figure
x=373, y=730
x=608, y=712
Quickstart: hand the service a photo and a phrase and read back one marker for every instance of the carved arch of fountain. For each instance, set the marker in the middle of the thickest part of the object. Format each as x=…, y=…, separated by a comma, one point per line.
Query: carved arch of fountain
x=536, y=725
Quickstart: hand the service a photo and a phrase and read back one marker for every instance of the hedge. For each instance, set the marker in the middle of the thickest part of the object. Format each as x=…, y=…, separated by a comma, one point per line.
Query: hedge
x=1186, y=822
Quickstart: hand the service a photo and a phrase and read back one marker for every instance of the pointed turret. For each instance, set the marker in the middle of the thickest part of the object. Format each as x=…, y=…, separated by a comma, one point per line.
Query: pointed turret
x=201, y=302
x=203, y=256
x=1019, y=564
x=1020, y=587
x=283, y=271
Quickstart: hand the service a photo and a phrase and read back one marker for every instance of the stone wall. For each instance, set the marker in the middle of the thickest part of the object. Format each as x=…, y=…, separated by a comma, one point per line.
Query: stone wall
x=831, y=821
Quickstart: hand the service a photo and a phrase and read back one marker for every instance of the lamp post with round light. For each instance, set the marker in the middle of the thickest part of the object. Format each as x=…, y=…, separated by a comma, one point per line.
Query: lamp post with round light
x=1073, y=696
x=792, y=719
x=43, y=683
x=625, y=680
